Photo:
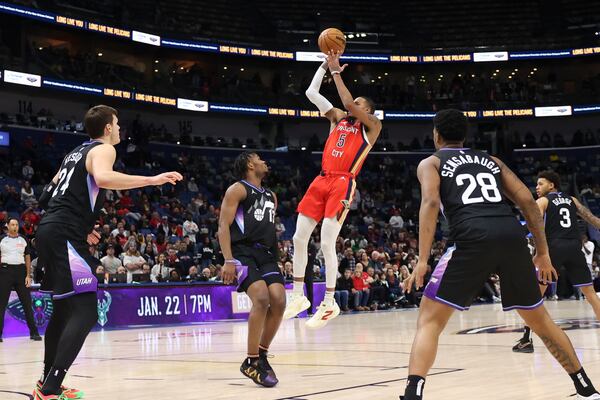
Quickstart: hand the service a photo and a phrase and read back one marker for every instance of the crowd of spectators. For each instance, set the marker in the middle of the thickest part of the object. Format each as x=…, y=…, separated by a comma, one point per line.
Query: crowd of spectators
x=168, y=234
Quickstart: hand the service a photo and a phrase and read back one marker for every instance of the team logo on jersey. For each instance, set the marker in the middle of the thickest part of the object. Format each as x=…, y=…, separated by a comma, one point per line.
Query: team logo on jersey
x=104, y=301
x=263, y=207
x=565, y=324
x=42, y=308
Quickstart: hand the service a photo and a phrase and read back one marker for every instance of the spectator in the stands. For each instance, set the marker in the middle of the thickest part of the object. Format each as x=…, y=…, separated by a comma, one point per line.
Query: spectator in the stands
x=27, y=195
x=190, y=228
x=396, y=221
x=360, y=291
x=343, y=288
x=132, y=260
x=161, y=270
x=109, y=261
x=27, y=171
x=348, y=262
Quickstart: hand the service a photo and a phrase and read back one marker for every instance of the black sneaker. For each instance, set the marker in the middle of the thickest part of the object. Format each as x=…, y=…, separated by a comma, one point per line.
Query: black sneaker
x=263, y=358
x=257, y=371
x=523, y=346
x=36, y=337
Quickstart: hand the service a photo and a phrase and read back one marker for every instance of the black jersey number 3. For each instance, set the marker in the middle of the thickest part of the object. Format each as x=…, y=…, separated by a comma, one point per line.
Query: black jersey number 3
x=64, y=177
x=487, y=187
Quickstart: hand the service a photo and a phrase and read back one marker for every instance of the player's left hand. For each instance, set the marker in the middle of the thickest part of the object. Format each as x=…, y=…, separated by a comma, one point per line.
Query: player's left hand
x=546, y=272
x=416, y=278
x=28, y=281
x=333, y=61
x=228, y=273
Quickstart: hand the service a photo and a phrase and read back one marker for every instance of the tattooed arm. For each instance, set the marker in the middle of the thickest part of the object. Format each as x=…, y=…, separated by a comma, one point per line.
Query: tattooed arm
x=586, y=214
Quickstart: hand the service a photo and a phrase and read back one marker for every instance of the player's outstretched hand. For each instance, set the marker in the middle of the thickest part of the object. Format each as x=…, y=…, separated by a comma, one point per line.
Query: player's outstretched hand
x=546, y=272
x=416, y=278
x=167, y=177
x=333, y=61
x=228, y=273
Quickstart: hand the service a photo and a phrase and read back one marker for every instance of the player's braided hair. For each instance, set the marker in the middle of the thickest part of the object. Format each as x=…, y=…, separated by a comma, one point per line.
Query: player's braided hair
x=451, y=124
x=551, y=176
x=240, y=165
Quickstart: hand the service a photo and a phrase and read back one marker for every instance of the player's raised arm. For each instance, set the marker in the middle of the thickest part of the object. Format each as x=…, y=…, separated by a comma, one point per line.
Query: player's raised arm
x=586, y=214
x=234, y=195
x=371, y=122
x=325, y=107
x=100, y=163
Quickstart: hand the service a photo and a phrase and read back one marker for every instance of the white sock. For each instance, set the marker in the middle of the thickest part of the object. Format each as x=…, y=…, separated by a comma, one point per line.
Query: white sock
x=329, y=299
x=298, y=288
x=329, y=234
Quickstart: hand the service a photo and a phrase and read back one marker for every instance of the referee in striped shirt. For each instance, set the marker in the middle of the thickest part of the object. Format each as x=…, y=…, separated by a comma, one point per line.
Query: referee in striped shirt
x=15, y=273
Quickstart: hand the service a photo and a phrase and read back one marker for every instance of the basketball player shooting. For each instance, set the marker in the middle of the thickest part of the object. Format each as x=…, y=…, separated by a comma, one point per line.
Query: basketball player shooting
x=352, y=135
x=486, y=237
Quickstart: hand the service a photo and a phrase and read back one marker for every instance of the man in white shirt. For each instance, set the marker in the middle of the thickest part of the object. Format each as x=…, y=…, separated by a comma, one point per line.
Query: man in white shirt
x=190, y=228
x=396, y=221
x=109, y=261
x=588, y=248
x=15, y=272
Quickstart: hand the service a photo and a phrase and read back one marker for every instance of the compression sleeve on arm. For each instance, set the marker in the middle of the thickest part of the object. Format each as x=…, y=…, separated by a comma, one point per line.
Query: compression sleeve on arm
x=46, y=195
x=313, y=92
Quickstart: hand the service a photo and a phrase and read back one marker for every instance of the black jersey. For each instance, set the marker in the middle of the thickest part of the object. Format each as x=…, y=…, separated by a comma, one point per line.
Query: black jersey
x=76, y=201
x=561, y=217
x=470, y=187
x=254, y=221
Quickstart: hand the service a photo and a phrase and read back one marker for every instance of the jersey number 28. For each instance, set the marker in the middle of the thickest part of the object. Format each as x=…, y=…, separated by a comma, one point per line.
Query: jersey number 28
x=487, y=184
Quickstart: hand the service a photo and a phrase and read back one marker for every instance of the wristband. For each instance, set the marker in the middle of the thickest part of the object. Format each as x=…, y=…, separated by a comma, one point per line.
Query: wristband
x=336, y=73
x=233, y=261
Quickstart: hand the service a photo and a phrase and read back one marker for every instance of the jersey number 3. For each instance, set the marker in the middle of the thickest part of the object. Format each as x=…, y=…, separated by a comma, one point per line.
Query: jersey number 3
x=487, y=185
x=64, y=177
x=565, y=222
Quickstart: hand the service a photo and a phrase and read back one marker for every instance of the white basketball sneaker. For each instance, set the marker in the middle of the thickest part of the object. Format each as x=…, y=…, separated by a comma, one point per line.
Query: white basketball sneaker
x=595, y=396
x=295, y=306
x=324, y=314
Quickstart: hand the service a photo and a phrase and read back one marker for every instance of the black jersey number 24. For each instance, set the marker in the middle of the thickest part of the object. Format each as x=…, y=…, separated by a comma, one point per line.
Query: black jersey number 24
x=64, y=177
x=485, y=182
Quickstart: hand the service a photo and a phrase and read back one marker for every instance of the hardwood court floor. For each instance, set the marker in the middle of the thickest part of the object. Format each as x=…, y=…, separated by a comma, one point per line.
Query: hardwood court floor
x=357, y=356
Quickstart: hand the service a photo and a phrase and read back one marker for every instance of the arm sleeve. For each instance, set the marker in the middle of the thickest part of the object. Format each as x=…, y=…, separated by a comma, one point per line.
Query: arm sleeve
x=313, y=92
x=46, y=195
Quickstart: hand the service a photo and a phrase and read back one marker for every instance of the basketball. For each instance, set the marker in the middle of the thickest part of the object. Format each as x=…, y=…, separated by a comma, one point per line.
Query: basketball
x=332, y=39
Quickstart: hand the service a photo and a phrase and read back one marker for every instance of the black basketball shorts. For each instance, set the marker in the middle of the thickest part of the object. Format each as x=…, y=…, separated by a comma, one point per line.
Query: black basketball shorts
x=261, y=264
x=69, y=267
x=566, y=254
x=486, y=246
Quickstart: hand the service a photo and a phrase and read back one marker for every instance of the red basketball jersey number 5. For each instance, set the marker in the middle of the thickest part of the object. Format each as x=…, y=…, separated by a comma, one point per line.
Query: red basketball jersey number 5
x=341, y=140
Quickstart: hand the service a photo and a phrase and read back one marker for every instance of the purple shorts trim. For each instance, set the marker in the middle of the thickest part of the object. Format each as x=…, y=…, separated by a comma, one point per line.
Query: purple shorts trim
x=436, y=278
x=536, y=305
x=241, y=272
x=446, y=302
x=271, y=273
x=81, y=273
x=584, y=284
x=64, y=295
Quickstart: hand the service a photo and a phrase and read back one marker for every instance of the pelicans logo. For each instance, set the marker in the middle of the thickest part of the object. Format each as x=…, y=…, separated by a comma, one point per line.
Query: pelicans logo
x=42, y=308
x=565, y=324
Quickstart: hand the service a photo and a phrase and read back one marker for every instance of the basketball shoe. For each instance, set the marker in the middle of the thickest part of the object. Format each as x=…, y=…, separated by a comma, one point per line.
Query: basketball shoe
x=257, y=371
x=68, y=393
x=324, y=314
x=523, y=346
x=38, y=395
x=295, y=306
x=595, y=396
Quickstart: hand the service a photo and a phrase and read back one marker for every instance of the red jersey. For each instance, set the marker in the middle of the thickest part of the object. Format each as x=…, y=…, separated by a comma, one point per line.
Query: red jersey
x=346, y=148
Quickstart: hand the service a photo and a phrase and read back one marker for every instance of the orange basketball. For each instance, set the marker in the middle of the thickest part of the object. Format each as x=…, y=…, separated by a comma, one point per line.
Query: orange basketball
x=332, y=39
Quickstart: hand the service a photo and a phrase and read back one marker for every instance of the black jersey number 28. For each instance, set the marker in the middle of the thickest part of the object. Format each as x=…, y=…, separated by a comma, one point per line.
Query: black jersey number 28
x=485, y=182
